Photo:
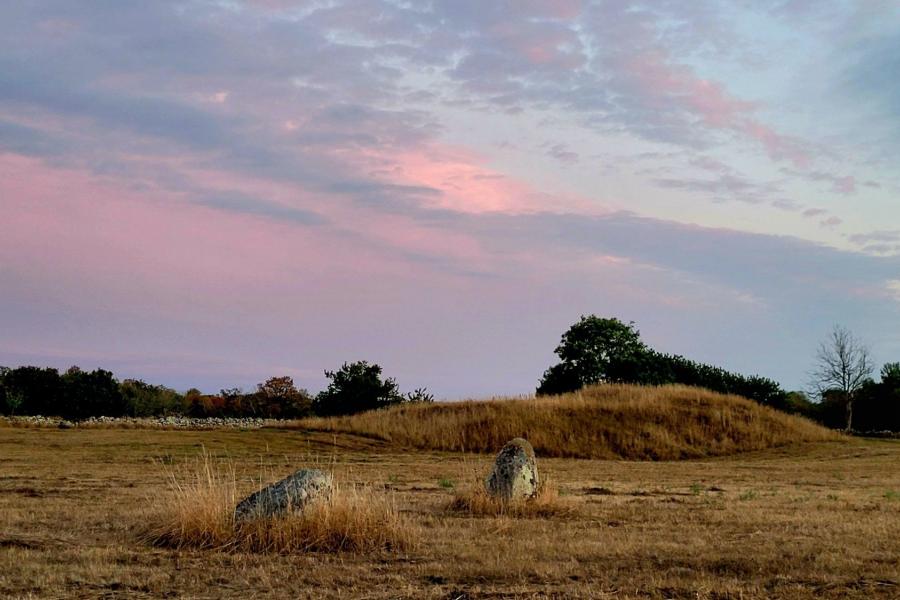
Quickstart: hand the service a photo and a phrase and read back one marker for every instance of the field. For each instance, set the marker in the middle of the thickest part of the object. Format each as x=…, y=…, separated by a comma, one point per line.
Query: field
x=805, y=521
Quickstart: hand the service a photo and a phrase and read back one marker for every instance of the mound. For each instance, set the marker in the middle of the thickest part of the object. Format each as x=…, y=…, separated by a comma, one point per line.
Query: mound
x=606, y=421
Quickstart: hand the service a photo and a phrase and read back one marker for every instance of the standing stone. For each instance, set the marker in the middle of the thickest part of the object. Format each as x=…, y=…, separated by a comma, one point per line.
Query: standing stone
x=515, y=474
x=291, y=494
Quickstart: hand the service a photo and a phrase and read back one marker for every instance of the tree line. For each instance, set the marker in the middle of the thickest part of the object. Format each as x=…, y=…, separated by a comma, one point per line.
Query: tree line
x=78, y=394
x=842, y=393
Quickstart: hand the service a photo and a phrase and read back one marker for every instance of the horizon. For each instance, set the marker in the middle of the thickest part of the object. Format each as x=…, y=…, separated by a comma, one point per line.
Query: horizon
x=208, y=194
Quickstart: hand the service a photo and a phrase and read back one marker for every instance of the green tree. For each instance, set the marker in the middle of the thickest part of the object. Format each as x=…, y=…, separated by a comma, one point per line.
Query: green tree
x=143, y=399
x=356, y=387
x=88, y=394
x=890, y=375
x=591, y=351
x=40, y=389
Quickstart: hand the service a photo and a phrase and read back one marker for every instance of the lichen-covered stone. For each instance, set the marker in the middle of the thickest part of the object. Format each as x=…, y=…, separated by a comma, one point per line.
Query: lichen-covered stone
x=515, y=473
x=291, y=494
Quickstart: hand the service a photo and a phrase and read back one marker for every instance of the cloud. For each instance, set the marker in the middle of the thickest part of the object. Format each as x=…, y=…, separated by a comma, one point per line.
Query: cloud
x=239, y=203
x=316, y=176
x=840, y=184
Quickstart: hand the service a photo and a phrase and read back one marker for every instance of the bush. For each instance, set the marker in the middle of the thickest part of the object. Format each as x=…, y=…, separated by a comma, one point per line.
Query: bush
x=356, y=387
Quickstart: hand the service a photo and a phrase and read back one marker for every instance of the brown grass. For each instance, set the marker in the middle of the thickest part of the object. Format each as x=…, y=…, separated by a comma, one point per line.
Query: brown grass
x=608, y=421
x=806, y=521
x=198, y=512
x=473, y=500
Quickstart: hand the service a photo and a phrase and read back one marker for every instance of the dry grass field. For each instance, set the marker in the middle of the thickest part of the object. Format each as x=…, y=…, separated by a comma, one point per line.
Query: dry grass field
x=818, y=520
x=800, y=512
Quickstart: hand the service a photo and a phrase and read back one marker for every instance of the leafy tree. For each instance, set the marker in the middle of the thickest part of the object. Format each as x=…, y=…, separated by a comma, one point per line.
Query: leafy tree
x=843, y=366
x=356, y=387
x=237, y=403
x=591, y=351
x=890, y=375
x=559, y=379
x=145, y=400
x=39, y=390
x=798, y=403
x=10, y=400
x=282, y=399
x=607, y=350
x=876, y=406
x=88, y=394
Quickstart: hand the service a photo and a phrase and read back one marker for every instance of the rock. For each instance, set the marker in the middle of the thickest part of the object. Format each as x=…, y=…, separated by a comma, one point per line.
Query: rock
x=515, y=473
x=66, y=424
x=291, y=494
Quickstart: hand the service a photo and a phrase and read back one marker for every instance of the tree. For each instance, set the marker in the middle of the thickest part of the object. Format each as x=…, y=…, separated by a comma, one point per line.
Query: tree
x=843, y=366
x=143, y=399
x=591, y=351
x=890, y=375
x=282, y=399
x=356, y=387
x=89, y=394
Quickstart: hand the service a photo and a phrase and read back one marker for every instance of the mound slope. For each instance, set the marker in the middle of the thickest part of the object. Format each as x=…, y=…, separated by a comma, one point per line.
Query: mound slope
x=605, y=421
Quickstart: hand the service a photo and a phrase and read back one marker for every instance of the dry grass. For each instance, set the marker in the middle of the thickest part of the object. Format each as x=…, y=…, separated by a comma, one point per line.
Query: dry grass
x=473, y=500
x=198, y=512
x=608, y=421
x=806, y=521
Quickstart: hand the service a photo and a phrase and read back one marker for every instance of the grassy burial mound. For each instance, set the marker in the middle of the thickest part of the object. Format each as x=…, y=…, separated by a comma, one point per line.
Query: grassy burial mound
x=606, y=421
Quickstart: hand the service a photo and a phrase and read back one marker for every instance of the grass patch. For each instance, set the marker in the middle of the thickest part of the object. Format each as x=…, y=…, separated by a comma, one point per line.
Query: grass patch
x=473, y=500
x=198, y=512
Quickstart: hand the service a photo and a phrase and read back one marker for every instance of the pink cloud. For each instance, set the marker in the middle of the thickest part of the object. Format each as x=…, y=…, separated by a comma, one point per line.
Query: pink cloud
x=467, y=187
x=666, y=85
x=779, y=147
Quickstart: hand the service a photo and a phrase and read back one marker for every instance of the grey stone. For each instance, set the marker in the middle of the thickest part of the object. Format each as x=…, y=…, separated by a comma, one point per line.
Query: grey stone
x=515, y=474
x=291, y=494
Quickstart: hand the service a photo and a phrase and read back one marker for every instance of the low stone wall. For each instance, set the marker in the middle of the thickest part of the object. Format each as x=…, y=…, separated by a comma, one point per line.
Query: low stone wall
x=141, y=422
x=893, y=435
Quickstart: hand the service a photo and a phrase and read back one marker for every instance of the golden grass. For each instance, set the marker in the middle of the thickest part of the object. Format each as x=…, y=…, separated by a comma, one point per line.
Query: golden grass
x=807, y=521
x=198, y=512
x=473, y=500
x=607, y=421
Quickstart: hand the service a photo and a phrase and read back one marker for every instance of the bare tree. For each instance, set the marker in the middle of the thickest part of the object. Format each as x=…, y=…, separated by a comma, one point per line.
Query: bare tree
x=843, y=364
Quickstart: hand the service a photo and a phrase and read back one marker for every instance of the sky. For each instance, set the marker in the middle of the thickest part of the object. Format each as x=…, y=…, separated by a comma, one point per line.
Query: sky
x=209, y=193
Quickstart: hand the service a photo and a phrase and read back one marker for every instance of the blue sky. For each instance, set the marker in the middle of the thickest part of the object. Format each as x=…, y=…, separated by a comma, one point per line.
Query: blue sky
x=208, y=193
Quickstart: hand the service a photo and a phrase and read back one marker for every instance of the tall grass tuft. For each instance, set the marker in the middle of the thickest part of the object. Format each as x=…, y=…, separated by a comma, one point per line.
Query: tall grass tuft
x=198, y=512
x=605, y=421
x=473, y=500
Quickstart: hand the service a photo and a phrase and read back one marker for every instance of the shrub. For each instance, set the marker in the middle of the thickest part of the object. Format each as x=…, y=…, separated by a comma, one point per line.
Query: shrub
x=354, y=388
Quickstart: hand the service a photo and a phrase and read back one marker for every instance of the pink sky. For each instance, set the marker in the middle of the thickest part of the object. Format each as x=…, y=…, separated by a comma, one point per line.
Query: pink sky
x=208, y=196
